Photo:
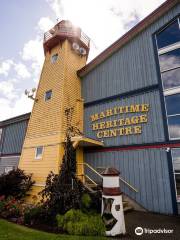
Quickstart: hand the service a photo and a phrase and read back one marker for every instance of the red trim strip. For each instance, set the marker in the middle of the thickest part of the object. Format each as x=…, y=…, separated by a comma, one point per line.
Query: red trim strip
x=170, y=145
x=112, y=191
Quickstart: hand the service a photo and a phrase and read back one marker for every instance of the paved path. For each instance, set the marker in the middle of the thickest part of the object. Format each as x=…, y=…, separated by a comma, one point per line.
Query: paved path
x=152, y=221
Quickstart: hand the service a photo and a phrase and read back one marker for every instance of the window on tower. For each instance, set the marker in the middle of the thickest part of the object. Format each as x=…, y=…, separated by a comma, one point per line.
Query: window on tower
x=48, y=95
x=54, y=58
x=38, y=152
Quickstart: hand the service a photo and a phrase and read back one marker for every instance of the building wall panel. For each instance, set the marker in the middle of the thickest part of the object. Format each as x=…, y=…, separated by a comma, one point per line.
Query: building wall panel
x=10, y=161
x=40, y=168
x=130, y=68
x=152, y=131
x=1, y=139
x=146, y=170
x=14, y=137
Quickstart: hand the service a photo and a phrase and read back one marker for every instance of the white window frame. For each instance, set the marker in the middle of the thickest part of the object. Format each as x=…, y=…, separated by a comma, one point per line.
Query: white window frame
x=177, y=199
x=169, y=48
x=39, y=157
x=163, y=50
x=170, y=91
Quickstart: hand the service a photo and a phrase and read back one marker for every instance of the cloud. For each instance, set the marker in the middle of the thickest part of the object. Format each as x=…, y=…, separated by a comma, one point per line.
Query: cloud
x=169, y=61
x=104, y=21
x=12, y=103
x=5, y=109
x=33, y=53
x=134, y=18
x=22, y=105
x=22, y=70
x=171, y=78
x=7, y=90
x=19, y=68
x=45, y=23
x=5, y=67
x=174, y=131
x=12, y=99
x=10, y=109
x=58, y=7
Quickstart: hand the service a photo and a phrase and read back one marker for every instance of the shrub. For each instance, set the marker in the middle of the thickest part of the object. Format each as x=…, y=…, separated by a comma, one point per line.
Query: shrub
x=31, y=215
x=86, y=201
x=36, y=215
x=2, y=203
x=10, y=207
x=75, y=222
x=73, y=216
x=15, y=183
x=96, y=199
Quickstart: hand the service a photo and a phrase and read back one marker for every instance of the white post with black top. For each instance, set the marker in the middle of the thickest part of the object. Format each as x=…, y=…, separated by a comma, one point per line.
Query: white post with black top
x=112, y=206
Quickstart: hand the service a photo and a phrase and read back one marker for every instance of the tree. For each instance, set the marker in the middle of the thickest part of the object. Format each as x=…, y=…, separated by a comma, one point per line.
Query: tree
x=63, y=191
x=15, y=183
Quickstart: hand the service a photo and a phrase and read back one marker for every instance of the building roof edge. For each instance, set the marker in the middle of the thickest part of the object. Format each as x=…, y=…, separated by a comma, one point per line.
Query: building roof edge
x=147, y=21
x=16, y=119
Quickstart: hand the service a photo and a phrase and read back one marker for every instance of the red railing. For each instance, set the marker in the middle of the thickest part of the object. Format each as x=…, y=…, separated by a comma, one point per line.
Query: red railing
x=63, y=30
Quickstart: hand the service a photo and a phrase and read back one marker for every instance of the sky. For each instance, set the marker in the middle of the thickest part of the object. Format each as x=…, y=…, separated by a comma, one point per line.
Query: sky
x=24, y=22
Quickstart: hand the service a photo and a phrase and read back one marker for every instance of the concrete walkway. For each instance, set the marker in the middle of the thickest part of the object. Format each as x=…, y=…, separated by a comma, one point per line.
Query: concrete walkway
x=149, y=222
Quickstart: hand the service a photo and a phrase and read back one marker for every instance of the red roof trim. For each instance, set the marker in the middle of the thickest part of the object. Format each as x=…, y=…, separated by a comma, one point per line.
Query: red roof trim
x=162, y=9
x=128, y=148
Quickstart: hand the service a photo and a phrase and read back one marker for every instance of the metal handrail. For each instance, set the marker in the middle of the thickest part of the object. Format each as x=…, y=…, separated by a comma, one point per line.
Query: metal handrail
x=86, y=164
x=120, y=178
x=129, y=185
x=91, y=179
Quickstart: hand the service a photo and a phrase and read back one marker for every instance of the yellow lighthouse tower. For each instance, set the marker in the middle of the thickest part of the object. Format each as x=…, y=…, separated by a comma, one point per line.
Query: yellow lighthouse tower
x=66, y=49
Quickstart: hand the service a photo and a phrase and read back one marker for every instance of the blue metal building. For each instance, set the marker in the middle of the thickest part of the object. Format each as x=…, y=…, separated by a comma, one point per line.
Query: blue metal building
x=131, y=97
x=12, y=134
x=141, y=68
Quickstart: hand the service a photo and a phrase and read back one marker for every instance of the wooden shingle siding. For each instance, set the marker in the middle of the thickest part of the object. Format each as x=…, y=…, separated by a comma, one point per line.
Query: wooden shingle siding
x=146, y=170
x=47, y=124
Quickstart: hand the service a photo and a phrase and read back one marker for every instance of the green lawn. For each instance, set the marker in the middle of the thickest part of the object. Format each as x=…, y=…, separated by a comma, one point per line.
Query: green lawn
x=11, y=231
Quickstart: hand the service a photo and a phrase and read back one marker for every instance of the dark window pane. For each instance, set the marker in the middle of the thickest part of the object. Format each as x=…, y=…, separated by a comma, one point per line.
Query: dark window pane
x=48, y=95
x=177, y=177
x=39, y=151
x=170, y=60
x=176, y=167
x=173, y=104
x=176, y=160
x=54, y=58
x=171, y=78
x=0, y=133
x=174, y=126
x=169, y=35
